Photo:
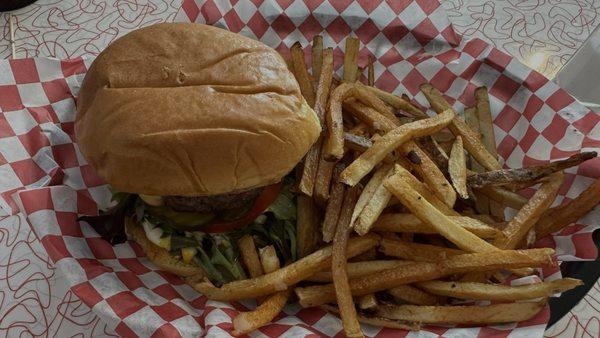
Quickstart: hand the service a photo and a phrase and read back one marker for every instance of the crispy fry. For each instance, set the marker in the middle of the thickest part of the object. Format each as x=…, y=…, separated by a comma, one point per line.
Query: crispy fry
x=361, y=144
x=417, y=252
x=359, y=269
x=517, y=229
x=486, y=123
x=463, y=314
x=482, y=202
x=368, y=115
x=375, y=102
x=427, y=213
x=285, y=277
x=458, y=169
x=246, y=322
x=301, y=73
x=338, y=265
x=323, y=181
x=503, y=196
x=412, y=295
x=351, y=59
x=334, y=144
x=367, y=302
x=499, y=292
x=397, y=102
x=410, y=223
x=458, y=126
x=365, y=215
x=311, y=161
x=390, y=141
x=561, y=216
x=423, y=271
x=317, y=57
x=371, y=72
x=378, y=321
x=250, y=256
x=334, y=205
x=529, y=174
x=307, y=225
x=435, y=152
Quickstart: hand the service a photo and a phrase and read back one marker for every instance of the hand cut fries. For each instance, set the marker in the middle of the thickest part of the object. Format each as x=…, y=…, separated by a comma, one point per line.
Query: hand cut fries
x=334, y=205
x=372, y=201
x=301, y=73
x=416, y=272
x=410, y=223
x=350, y=59
x=390, y=141
x=317, y=57
x=359, y=269
x=498, y=292
x=469, y=315
x=379, y=321
x=397, y=102
x=417, y=252
x=306, y=225
x=503, y=196
x=250, y=256
x=457, y=167
x=412, y=295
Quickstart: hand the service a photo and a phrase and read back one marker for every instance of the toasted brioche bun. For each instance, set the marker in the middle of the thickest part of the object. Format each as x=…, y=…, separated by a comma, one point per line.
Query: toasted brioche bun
x=190, y=110
x=158, y=255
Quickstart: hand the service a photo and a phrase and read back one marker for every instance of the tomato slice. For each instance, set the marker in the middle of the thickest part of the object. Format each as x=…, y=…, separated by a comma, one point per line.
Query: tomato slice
x=264, y=200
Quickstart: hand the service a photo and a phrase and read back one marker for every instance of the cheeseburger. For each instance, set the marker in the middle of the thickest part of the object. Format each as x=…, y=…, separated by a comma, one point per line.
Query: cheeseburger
x=196, y=130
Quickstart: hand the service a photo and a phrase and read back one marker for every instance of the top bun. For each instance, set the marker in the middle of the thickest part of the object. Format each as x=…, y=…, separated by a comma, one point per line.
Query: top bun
x=190, y=109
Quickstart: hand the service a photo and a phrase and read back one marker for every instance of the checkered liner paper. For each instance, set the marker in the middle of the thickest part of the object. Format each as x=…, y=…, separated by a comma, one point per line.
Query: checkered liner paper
x=44, y=176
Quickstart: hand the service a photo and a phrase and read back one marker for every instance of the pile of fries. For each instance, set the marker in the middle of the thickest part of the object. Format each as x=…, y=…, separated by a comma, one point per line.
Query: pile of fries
x=414, y=208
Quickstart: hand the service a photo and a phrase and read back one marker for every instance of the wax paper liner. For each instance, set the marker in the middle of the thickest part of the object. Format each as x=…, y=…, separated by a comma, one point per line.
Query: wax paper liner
x=44, y=176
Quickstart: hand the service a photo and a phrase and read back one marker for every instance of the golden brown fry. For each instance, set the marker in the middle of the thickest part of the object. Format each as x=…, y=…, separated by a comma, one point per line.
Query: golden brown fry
x=390, y=141
x=367, y=302
x=435, y=152
x=334, y=144
x=361, y=144
x=410, y=223
x=503, y=196
x=301, y=73
x=463, y=314
x=323, y=180
x=309, y=169
x=529, y=174
x=486, y=123
x=373, y=101
x=517, y=229
x=458, y=126
x=317, y=57
x=458, y=169
x=334, y=205
x=338, y=265
x=378, y=321
x=250, y=256
x=307, y=225
x=561, y=216
x=359, y=269
x=427, y=213
x=285, y=277
x=246, y=322
x=372, y=205
x=482, y=202
x=424, y=190
x=417, y=252
x=351, y=59
x=371, y=72
x=397, y=102
x=369, y=115
x=412, y=295
x=423, y=271
x=499, y=292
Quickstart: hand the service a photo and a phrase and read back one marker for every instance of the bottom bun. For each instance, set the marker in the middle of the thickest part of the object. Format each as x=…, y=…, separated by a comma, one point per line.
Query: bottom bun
x=160, y=256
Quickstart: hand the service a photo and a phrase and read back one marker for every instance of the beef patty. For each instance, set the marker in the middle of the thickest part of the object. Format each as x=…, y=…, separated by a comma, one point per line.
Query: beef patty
x=214, y=203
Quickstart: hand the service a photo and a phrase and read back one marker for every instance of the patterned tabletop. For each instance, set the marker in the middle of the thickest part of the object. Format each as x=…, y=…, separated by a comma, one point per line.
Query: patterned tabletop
x=34, y=297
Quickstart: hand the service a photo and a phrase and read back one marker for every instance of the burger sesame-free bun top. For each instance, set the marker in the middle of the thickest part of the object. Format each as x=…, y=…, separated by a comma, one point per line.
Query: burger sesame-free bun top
x=190, y=109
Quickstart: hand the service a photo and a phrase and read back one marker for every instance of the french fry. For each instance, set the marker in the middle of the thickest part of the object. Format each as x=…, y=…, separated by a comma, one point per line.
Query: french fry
x=561, y=216
x=334, y=143
x=517, y=229
x=529, y=174
x=375, y=102
x=338, y=265
x=458, y=126
x=285, y=277
x=463, y=314
x=486, y=123
x=397, y=102
x=250, y=256
x=334, y=205
x=435, y=152
x=457, y=168
x=363, y=218
x=311, y=161
x=368, y=115
x=390, y=141
x=412, y=295
x=246, y=322
x=482, y=202
x=367, y=302
x=503, y=196
x=423, y=271
x=351, y=59
x=417, y=252
x=359, y=269
x=323, y=180
x=301, y=73
x=427, y=213
x=371, y=72
x=378, y=321
x=361, y=144
x=498, y=292
x=410, y=223
x=367, y=193
x=317, y=57
x=307, y=225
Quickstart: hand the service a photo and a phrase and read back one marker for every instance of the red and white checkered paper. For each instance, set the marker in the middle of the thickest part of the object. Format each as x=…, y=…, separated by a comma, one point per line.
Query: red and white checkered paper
x=44, y=176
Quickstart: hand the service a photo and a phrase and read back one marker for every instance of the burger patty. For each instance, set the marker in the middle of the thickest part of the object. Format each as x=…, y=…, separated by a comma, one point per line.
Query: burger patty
x=214, y=203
